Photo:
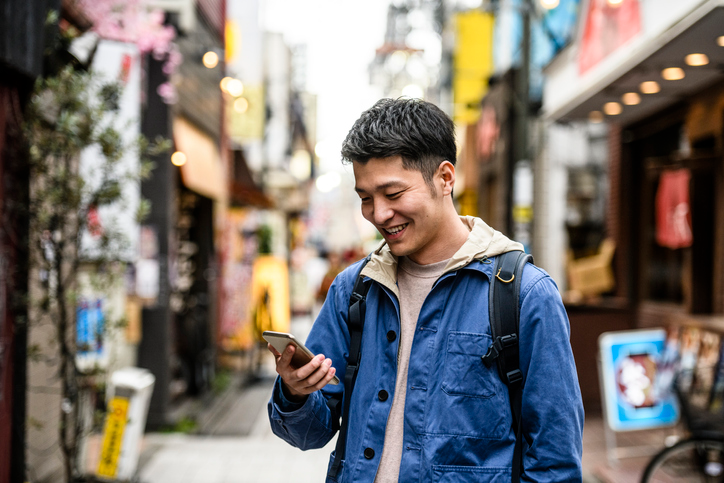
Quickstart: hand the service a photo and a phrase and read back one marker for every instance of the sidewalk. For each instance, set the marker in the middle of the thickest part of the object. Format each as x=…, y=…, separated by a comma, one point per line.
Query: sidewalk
x=235, y=443
x=635, y=449
x=259, y=457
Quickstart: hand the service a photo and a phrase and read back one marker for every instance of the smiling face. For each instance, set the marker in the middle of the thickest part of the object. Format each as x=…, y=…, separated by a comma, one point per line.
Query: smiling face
x=416, y=219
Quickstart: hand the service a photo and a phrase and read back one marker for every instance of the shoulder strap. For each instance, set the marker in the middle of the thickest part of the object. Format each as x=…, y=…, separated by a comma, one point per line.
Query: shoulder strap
x=355, y=323
x=504, y=307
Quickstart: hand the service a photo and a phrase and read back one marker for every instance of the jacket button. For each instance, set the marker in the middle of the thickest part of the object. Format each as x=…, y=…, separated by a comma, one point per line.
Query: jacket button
x=369, y=453
x=382, y=395
x=391, y=335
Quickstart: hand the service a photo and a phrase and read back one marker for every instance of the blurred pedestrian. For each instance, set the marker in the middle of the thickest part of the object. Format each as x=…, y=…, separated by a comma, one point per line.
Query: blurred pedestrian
x=424, y=406
x=335, y=267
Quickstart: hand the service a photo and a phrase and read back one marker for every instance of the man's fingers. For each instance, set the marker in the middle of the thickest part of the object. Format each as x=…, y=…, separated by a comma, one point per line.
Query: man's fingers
x=319, y=374
x=304, y=380
x=309, y=368
x=325, y=380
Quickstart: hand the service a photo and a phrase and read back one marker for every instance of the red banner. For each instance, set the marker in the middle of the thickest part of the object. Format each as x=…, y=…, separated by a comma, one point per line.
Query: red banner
x=673, y=210
x=608, y=26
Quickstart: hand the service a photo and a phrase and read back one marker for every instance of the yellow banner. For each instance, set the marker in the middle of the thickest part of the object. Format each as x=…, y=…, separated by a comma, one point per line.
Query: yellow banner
x=113, y=437
x=473, y=63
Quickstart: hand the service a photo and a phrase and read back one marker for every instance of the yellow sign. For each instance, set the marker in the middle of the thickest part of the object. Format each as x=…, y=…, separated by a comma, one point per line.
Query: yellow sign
x=473, y=63
x=113, y=437
x=522, y=214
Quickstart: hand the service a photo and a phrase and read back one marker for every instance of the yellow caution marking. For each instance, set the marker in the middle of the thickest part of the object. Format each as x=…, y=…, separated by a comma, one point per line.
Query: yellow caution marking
x=113, y=437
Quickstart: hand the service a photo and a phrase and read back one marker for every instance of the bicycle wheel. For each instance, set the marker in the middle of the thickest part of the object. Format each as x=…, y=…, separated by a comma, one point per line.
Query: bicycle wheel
x=691, y=460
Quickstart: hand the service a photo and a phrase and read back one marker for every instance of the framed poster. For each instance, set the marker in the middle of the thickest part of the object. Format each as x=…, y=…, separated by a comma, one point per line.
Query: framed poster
x=635, y=371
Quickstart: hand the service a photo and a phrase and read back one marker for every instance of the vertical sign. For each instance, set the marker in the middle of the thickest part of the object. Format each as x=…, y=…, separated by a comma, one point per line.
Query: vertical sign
x=473, y=63
x=113, y=437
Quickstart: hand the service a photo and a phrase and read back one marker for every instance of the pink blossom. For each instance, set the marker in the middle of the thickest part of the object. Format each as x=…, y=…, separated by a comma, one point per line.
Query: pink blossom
x=168, y=93
x=131, y=21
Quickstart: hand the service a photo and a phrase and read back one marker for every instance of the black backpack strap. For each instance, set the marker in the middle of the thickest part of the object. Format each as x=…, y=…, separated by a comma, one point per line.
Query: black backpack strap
x=504, y=309
x=355, y=323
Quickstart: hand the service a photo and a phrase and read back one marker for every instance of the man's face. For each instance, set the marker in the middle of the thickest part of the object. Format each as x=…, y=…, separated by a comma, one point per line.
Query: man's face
x=406, y=210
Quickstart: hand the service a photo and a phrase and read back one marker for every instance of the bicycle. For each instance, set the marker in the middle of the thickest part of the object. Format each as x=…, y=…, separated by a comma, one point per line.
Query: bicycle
x=697, y=458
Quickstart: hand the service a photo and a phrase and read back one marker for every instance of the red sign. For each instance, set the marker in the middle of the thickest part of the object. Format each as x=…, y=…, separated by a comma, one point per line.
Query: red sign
x=609, y=25
x=488, y=132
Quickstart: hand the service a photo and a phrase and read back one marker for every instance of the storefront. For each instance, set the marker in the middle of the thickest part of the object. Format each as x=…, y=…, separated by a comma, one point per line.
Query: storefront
x=651, y=72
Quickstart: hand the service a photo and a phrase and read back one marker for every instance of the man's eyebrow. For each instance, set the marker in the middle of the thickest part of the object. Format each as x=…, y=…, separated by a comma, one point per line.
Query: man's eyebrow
x=389, y=184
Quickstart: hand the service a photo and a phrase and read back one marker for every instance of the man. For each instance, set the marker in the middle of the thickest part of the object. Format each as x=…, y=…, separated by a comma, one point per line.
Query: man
x=424, y=406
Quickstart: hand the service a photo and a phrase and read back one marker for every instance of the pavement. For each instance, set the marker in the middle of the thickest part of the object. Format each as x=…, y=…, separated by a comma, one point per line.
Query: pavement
x=234, y=444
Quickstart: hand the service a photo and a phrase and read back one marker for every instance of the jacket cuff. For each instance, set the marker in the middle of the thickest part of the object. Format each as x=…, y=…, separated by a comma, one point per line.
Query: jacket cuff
x=283, y=404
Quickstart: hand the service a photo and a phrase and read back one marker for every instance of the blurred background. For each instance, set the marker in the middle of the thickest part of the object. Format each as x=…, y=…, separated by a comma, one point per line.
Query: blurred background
x=171, y=186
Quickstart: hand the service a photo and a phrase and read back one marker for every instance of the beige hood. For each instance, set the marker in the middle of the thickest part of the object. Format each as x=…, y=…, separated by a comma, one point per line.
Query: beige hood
x=482, y=241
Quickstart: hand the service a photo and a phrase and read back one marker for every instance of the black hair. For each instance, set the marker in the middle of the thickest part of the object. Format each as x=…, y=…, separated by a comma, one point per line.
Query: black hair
x=417, y=131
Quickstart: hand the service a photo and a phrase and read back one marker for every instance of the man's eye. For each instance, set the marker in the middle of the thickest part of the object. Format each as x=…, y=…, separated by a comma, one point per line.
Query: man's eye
x=365, y=200
x=394, y=195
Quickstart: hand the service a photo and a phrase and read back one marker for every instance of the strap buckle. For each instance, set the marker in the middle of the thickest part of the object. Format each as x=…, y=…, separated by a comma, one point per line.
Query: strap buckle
x=497, y=347
x=514, y=376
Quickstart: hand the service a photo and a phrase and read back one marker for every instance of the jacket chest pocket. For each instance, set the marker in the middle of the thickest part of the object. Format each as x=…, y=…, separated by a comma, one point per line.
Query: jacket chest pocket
x=464, y=373
x=472, y=399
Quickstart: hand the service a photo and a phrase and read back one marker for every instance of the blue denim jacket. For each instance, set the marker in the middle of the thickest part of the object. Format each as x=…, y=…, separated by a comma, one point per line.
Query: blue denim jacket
x=458, y=424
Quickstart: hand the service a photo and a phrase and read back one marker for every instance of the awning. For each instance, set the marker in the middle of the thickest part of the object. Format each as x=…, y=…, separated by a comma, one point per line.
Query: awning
x=570, y=95
x=202, y=171
x=243, y=189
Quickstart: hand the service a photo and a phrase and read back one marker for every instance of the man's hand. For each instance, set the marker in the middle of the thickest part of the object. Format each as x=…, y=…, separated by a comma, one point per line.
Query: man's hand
x=303, y=381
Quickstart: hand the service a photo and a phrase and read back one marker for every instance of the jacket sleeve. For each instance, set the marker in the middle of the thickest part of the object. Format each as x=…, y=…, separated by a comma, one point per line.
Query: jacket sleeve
x=311, y=426
x=552, y=409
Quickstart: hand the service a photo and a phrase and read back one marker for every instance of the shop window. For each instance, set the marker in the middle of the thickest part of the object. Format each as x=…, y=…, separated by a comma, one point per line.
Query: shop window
x=584, y=210
x=678, y=222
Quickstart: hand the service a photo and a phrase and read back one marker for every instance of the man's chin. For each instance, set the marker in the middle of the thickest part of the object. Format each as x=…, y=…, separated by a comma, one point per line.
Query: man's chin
x=398, y=250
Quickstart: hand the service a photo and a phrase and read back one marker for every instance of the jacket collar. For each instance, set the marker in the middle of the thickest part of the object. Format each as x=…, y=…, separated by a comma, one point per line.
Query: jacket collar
x=483, y=241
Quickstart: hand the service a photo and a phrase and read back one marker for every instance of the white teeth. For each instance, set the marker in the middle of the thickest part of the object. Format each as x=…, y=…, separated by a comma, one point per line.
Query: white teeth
x=396, y=230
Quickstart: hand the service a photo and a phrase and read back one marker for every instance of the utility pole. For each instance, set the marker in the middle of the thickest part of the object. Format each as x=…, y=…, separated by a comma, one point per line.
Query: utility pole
x=520, y=172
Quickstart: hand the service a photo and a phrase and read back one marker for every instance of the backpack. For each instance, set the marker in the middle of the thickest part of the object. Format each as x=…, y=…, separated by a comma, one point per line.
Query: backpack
x=504, y=309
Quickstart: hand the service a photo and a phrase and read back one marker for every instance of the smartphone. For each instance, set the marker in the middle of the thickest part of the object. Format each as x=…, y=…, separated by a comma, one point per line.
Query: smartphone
x=302, y=355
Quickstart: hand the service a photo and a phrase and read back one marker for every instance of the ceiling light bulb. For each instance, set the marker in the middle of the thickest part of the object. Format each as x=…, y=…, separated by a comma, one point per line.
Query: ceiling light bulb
x=549, y=4
x=178, y=158
x=631, y=98
x=696, y=60
x=612, y=108
x=650, y=87
x=210, y=59
x=614, y=3
x=673, y=73
x=595, y=116
x=224, y=84
x=720, y=41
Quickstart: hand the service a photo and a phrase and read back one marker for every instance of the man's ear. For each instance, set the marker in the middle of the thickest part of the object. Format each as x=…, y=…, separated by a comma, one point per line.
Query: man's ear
x=446, y=177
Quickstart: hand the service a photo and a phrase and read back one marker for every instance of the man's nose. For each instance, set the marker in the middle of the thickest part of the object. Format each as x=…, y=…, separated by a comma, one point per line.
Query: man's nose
x=382, y=212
